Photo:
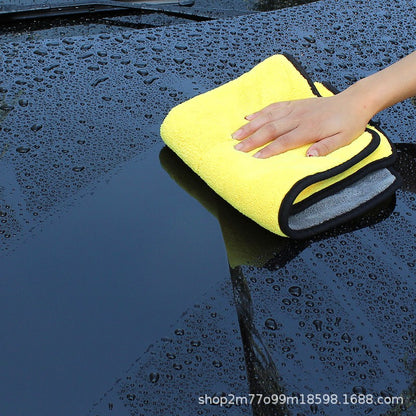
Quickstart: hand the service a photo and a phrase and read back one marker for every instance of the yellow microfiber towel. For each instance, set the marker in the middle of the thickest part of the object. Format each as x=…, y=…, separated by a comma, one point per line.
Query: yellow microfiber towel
x=290, y=194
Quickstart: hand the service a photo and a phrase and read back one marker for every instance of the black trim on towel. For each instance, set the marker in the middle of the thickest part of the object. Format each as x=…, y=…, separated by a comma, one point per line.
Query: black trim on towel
x=288, y=208
x=336, y=170
x=302, y=71
x=354, y=213
x=330, y=87
x=365, y=170
x=287, y=203
x=343, y=183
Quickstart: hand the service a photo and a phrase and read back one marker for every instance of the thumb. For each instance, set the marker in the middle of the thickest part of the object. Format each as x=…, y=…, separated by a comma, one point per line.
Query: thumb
x=328, y=145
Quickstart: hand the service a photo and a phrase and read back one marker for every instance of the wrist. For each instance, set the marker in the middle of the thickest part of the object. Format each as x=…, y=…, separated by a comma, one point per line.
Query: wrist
x=364, y=98
x=386, y=87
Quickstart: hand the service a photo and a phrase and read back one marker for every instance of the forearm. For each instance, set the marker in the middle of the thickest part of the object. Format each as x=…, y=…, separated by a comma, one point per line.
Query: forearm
x=385, y=88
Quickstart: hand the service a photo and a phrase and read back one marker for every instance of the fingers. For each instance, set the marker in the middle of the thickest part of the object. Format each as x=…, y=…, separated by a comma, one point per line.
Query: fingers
x=325, y=123
x=252, y=116
x=257, y=120
x=290, y=140
x=276, y=130
x=295, y=139
x=250, y=127
x=329, y=144
x=287, y=125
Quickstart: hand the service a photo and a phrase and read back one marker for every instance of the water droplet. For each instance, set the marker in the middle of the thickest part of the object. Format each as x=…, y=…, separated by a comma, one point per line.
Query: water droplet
x=6, y=108
x=36, y=127
x=309, y=39
x=271, y=324
x=318, y=324
x=22, y=149
x=359, y=390
x=295, y=291
x=99, y=81
x=154, y=377
x=150, y=81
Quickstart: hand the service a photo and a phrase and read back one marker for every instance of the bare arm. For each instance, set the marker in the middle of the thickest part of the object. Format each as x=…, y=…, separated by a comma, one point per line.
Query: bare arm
x=327, y=122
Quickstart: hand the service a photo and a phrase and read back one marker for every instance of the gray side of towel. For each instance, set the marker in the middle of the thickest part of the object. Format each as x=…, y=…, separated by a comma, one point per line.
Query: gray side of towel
x=343, y=201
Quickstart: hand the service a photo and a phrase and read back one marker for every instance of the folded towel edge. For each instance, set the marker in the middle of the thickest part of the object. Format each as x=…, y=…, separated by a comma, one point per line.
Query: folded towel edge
x=287, y=208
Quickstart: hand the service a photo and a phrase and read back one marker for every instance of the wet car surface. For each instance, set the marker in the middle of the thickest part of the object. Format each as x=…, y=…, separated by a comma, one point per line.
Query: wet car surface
x=129, y=288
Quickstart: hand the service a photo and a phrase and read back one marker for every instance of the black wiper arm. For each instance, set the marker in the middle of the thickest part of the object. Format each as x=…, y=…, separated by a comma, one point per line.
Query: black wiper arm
x=14, y=13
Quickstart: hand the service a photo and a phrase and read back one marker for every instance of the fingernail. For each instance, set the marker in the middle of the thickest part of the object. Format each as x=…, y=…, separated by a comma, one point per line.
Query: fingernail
x=257, y=155
x=312, y=153
x=239, y=146
x=249, y=117
x=237, y=134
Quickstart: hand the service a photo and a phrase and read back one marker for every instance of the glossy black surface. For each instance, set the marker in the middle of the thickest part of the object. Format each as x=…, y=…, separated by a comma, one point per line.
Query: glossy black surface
x=117, y=294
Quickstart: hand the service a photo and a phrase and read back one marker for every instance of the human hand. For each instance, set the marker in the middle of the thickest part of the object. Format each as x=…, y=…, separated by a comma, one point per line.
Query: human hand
x=327, y=122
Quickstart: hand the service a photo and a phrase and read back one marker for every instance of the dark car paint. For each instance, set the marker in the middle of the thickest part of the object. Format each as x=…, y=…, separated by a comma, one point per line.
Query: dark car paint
x=116, y=295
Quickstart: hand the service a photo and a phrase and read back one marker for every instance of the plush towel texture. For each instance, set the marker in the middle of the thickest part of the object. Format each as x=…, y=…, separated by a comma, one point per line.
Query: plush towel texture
x=289, y=194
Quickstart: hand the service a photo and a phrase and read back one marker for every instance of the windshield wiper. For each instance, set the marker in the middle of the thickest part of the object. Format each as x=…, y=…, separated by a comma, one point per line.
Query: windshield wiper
x=16, y=13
